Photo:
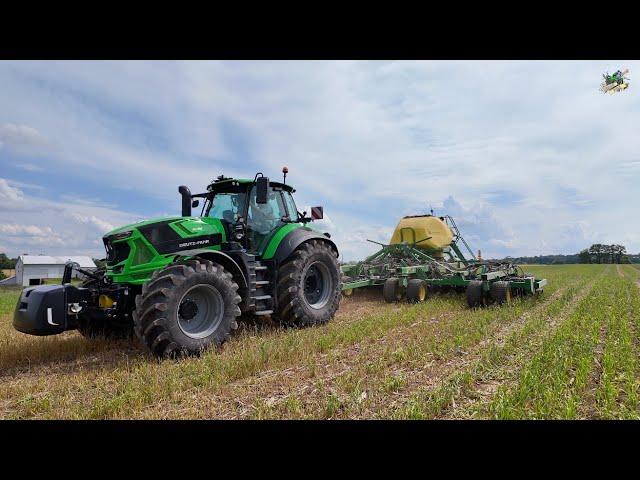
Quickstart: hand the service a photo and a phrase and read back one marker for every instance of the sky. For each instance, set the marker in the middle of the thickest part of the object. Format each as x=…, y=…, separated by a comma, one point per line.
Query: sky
x=527, y=156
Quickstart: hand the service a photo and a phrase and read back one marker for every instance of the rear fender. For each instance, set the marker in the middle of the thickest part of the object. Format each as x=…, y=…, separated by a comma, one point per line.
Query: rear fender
x=297, y=237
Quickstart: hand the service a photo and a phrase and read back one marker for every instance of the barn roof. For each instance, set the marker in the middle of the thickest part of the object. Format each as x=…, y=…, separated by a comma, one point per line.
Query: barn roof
x=83, y=261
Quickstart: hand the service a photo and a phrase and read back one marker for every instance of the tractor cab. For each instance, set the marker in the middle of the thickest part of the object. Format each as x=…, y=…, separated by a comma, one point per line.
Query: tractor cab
x=251, y=211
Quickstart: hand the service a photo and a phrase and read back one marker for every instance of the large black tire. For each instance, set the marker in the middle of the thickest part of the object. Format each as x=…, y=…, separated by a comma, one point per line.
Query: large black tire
x=416, y=290
x=501, y=292
x=391, y=290
x=196, y=290
x=308, y=286
x=475, y=296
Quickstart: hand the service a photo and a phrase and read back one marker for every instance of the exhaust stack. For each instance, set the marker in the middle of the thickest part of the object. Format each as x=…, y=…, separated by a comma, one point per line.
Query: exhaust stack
x=186, y=200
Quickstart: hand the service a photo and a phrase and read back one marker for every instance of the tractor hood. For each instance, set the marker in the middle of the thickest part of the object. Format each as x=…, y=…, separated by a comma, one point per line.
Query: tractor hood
x=142, y=223
x=136, y=250
x=169, y=234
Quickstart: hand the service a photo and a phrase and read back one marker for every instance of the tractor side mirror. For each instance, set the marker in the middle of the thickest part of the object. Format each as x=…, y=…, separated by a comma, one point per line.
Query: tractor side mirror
x=195, y=203
x=262, y=190
x=317, y=213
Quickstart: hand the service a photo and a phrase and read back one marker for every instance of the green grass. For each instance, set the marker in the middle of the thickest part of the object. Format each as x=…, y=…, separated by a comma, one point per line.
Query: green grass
x=8, y=299
x=592, y=349
x=570, y=354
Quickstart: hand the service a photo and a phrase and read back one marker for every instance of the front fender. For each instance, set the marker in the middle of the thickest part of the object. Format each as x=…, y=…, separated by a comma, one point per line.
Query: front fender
x=218, y=257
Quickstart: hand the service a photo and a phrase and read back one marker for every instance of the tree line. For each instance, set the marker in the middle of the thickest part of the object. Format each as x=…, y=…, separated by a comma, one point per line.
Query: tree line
x=596, y=253
x=602, y=253
x=6, y=263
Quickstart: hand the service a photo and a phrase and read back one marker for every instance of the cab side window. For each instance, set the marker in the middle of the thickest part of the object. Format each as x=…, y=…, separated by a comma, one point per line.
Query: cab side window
x=263, y=219
x=291, y=206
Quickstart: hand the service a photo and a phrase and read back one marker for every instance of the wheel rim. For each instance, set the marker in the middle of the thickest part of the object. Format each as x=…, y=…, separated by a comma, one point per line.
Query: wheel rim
x=422, y=293
x=318, y=285
x=200, y=311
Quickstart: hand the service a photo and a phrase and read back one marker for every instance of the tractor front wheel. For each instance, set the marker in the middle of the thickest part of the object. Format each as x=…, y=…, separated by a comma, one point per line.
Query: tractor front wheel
x=309, y=286
x=186, y=308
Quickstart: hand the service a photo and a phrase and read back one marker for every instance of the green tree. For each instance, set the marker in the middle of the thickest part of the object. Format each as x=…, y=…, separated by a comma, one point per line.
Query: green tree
x=602, y=253
x=584, y=256
x=6, y=262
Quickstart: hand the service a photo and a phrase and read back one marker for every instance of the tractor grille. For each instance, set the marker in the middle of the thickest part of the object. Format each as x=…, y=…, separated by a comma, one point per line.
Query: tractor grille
x=116, y=252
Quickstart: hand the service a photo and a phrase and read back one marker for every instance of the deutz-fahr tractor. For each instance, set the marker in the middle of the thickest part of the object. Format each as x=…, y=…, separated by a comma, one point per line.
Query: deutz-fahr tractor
x=181, y=284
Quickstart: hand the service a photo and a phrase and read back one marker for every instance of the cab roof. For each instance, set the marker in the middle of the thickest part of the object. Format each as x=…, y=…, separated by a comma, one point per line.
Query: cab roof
x=224, y=182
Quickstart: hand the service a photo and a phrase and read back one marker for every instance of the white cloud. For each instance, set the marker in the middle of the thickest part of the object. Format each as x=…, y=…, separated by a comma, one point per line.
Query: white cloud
x=30, y=230
x=22, y=139
x=371, y=141
x=29, y=167
x=54, y=227
x=9, y=193
x=101, y=225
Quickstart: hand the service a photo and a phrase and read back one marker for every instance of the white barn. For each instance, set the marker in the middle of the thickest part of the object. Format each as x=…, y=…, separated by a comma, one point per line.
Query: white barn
x=33, y=269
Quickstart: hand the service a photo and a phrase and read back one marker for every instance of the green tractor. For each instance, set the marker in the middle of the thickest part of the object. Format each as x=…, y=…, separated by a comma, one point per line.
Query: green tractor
x=182, y=283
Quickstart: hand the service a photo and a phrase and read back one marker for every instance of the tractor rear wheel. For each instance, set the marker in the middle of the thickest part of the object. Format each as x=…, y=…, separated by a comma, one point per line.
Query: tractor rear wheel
x=187, y=307
x=391, y=290
x=416, y=290
x=309, y=286
x=475, y=295
x=501, y=292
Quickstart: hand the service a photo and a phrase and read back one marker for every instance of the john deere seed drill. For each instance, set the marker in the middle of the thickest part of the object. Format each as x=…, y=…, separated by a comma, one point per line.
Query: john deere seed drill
x=425, y=254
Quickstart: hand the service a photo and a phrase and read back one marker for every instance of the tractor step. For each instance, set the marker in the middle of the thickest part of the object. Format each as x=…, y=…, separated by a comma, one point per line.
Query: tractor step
x=260, y=290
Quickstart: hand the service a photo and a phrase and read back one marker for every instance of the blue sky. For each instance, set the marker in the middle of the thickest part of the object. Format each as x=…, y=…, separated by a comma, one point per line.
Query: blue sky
x=528, y=156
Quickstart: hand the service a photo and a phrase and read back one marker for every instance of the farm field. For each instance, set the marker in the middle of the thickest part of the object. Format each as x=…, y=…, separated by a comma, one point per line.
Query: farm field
x=573, y=353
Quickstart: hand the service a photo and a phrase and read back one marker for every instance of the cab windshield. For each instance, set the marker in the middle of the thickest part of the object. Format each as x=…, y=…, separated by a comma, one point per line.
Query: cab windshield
x=262, y=220
x=227, y=206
